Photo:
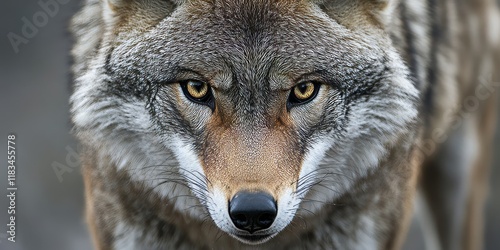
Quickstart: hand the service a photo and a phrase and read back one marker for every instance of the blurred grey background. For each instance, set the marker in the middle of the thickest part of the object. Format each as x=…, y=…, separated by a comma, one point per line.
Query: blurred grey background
x=35, y=87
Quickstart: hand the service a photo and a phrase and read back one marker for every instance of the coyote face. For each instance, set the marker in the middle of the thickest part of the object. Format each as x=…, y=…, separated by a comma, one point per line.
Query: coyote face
x=265, y=110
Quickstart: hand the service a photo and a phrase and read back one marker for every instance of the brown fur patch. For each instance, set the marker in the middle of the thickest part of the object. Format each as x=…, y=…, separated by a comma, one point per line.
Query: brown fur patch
x=236, y=158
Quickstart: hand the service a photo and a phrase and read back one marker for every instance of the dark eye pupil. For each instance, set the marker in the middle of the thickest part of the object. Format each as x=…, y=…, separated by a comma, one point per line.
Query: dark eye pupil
x=197, y=86
x=303, y=88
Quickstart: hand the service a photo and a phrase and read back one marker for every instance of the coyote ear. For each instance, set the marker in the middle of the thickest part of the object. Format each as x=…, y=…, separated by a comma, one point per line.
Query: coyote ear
x=137, y=14
x=355, y=13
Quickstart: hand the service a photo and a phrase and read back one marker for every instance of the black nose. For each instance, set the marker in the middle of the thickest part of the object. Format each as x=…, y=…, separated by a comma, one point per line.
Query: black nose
x=252, y=211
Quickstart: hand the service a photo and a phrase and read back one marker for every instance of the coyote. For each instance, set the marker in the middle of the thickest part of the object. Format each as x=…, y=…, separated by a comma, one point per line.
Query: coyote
x=285, y=124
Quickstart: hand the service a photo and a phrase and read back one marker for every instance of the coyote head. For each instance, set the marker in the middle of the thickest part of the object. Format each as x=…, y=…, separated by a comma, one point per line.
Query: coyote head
x=256, y=106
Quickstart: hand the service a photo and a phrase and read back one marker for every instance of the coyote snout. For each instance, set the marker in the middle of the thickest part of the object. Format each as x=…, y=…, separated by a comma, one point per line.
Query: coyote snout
x=251, y=177
x=252, y=211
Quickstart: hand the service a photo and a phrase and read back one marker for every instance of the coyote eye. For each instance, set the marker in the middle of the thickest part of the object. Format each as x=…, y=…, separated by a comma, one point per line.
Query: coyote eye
x=302, y=93
x=198, y=92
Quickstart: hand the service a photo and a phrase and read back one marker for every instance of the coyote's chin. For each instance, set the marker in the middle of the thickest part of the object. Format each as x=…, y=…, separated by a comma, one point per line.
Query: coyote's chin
x=270, y=124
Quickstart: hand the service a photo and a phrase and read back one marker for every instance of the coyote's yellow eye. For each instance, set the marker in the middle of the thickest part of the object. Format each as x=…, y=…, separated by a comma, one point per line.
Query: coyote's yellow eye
x=196, y=89
x=302, y=93
x=198, y=92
